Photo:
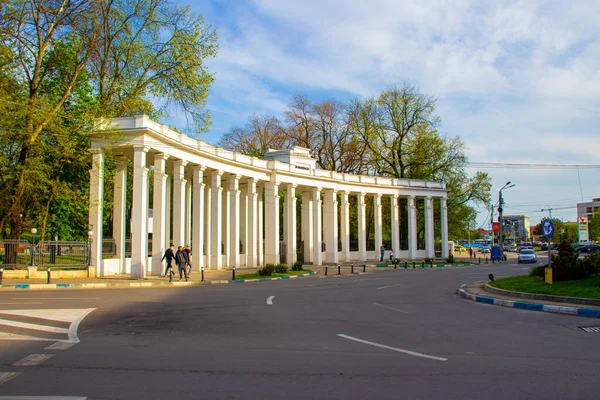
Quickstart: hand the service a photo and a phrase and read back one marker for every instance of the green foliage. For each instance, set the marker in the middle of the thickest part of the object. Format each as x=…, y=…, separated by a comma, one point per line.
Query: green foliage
x=534, y=271
x=281, y=268
x=267, y=270
x=297, y=266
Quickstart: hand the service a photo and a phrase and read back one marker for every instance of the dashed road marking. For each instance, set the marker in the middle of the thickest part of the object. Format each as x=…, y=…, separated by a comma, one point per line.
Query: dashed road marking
x=270, y=300
x=388, y=286
x=42, y=398
x=383, y=346
x=33, y=360
x=7, y=376
x=390, y=308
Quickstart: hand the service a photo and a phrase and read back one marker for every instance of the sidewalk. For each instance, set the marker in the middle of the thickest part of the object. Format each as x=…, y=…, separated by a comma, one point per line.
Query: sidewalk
x=482, y=293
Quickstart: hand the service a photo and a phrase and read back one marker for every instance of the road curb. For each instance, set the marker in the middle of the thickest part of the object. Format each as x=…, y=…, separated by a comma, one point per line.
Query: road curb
x=578, y=311
x=50, y=286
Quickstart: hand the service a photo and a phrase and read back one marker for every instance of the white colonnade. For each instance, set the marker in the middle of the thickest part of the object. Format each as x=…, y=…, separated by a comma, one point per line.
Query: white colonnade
x=237, y=210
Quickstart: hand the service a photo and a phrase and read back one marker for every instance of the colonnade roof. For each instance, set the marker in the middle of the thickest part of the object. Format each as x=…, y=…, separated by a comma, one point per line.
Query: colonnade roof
x=126, y=133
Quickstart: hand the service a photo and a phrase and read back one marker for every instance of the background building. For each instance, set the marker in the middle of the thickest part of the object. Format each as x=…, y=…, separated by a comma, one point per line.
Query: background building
x=588, y=209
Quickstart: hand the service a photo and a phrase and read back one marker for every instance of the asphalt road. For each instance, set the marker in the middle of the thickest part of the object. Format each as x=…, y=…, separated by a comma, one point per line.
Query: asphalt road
x=399, y=334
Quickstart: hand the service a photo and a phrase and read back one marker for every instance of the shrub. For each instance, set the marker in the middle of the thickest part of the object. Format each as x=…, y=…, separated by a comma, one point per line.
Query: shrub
x=535, y=271
x=428, y=260
x=281, y=268
x=267, y=270
x=297, y=266
x=450, y=258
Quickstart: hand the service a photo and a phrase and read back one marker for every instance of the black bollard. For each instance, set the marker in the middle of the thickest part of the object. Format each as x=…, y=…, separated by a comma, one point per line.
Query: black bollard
x=351, y=270
x=405, y=264
x=422, y=264
x=339, y=269
x=413, y=265
x=486, y=259
x=233, y=273
x=48, y=273
x=364, y=267
x=479, y=259
x=326, y=270
x=201, y=274
x=1, y=273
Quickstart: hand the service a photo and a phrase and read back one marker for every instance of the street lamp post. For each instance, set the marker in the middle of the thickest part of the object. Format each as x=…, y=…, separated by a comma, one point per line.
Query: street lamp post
x=33, y=232
x=508, y=185
x=90, y=234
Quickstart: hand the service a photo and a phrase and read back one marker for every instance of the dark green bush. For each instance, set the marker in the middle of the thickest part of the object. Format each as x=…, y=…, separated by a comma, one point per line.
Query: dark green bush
x=281, y=268
x=297, y=266
x=568, y=266
x=535, y=271
x=267, y=270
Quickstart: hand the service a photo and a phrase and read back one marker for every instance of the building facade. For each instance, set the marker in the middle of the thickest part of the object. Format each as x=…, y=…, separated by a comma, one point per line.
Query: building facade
x=226, y=204
x=519, y=225
x=587, y=209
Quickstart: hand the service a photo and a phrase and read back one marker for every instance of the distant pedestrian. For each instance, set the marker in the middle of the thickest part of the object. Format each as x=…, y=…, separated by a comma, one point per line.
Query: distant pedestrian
x=169, y=255
x=382, y=251
x=391, y=255
x=470, y=252
x=188, y=252
x=181, y=260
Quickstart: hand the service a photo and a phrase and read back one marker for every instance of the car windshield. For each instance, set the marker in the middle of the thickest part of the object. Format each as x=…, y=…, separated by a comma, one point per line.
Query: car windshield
x=527, y=251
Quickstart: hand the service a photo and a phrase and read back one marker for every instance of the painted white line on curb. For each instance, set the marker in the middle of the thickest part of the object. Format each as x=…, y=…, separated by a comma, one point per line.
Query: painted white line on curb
x=56, y=298
x=270, y=300
x=383, y=346
x=7, y=376
x=33, y=360
x=23, y=302
x=390, y=308
x=37, y=327
x=384, y=287
x=42, y=398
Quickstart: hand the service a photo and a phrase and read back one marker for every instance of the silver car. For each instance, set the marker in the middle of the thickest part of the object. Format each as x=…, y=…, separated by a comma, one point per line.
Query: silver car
x=527, y=256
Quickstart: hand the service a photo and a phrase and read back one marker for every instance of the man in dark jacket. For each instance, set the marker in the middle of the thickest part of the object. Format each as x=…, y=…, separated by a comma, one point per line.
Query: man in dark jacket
x=169, y=255
x=188, y=251
x=181, y=259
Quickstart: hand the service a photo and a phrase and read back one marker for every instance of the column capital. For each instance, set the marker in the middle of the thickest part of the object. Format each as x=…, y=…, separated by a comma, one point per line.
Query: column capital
x=161, y=156
x=200, y=168
x=292, y=185
x=182, y=163
x=378, y=195
x=395, y=196
x=217, y=172
x=237, y=177
x=137, y=148
x=96, y=151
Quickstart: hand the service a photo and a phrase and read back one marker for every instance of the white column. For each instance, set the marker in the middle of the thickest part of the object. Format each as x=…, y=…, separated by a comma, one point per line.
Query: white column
x=216, y=240
x=307, y=226
x=139, y=236
x=362, y=226
x=234, y=220
x=317, y=227
x=95, y=217
x=429, y=228
x=159, y=208
x=225, y=224
x=168, y=206
x=412, y=228
x=260, y=237
x=378, y=223
x=444, y=225
x=252, y=243
x=208, y=224
x=330, y=226
x=395, y=225
x=188, y=215
x=345, y=226
x=271, y=223
x=119, y=204
x=244, y=220
x=290, y=206
x=179, y=184
x=198, y=218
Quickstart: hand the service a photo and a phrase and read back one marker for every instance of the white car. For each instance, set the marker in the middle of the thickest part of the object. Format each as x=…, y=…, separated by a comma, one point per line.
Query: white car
x=527, y=256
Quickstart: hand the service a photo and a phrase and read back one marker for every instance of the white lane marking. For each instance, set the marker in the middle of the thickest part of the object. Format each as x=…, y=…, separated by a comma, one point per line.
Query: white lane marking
x=7, y=376
x=55, y=298
x=270, y=300
x=62, y=345
x=383, y=346
x=390, y=308
x=23, y=302
x=14, y=336
x=64, y=315
x=33, y=360
x=383, y=287
x=37, y=327
x=42, y=398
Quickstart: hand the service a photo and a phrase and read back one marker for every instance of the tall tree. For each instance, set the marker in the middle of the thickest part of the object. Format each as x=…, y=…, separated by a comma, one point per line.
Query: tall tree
x=261, y=133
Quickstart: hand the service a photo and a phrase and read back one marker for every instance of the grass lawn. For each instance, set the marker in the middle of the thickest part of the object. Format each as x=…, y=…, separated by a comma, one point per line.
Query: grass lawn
x=275, y=275
x=588, y=287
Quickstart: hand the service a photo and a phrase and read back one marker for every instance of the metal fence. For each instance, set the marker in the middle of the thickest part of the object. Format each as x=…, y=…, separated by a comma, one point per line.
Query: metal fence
x=15, y=253
x=63, y=254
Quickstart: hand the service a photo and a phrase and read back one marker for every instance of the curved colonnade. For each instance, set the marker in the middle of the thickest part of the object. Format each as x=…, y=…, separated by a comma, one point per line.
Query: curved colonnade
x=212, y=199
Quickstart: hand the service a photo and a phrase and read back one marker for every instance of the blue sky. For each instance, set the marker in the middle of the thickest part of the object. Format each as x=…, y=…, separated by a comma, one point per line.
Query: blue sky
x=518, y=81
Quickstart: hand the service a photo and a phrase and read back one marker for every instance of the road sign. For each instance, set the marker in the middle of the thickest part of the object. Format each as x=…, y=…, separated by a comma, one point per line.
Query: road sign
x=495, y=227
x=548, y=228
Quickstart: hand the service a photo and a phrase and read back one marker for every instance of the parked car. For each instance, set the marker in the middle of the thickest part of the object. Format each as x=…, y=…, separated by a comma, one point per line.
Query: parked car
x=512, y=249
x=484, y=250
x=588, y=249
x=527, y=256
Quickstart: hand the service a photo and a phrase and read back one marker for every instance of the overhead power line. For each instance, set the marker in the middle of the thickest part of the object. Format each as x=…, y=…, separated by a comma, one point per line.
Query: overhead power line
x=531, y=165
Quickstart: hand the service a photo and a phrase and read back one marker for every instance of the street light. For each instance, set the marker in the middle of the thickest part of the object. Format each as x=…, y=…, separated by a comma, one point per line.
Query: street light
x=508, y=185
x=33, y=232
x=90, y=234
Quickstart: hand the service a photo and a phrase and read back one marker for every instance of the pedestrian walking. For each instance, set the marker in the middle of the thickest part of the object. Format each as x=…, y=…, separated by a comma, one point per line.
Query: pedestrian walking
x=391, y=255
x=181, y=260
x=382, y=250
x=169, y=255
x=188, y=251
x=470, y=252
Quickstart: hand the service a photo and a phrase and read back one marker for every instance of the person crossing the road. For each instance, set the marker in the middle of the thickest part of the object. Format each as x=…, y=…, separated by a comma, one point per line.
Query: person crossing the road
x=182, y=260
x=169, y=255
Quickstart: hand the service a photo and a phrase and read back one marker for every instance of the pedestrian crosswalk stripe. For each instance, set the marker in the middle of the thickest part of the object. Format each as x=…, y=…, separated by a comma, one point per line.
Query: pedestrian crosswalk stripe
x=48, y=321
x=32, y=360
x=10, y=397
x=7, y=376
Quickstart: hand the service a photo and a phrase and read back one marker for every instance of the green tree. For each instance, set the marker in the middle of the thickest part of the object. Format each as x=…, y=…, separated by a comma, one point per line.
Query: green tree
x=594, y=226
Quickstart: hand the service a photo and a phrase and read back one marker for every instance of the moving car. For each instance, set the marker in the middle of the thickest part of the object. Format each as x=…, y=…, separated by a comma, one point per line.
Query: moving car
x=526, y=256
x=484, y=250
x=512, y=249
